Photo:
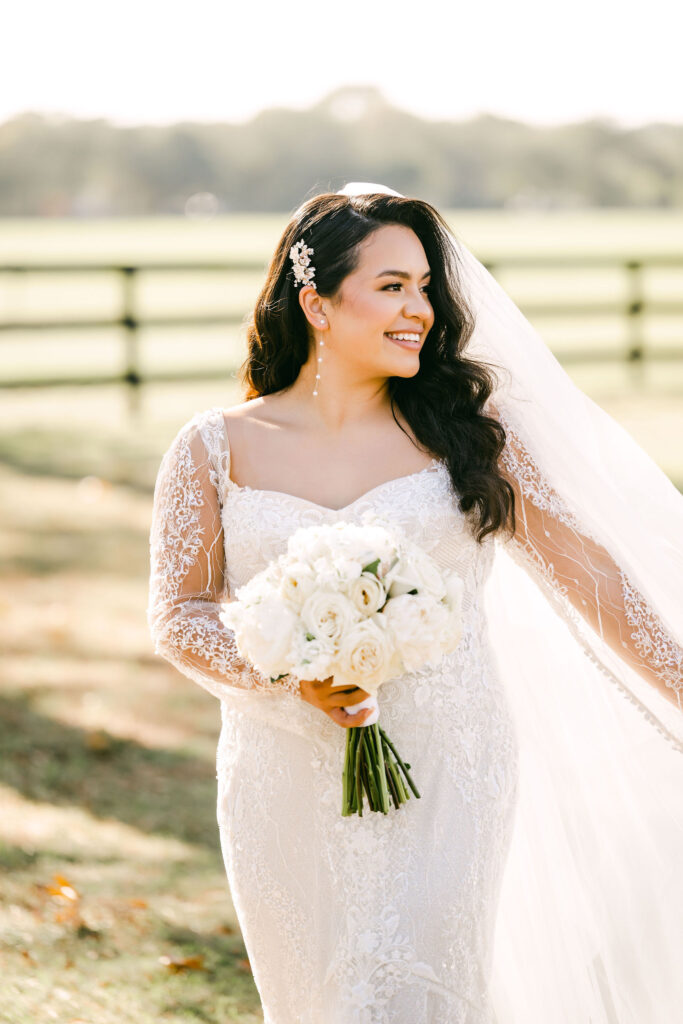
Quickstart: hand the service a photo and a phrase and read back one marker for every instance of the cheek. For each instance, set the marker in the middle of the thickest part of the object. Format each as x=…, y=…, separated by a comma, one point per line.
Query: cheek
x=374, y=311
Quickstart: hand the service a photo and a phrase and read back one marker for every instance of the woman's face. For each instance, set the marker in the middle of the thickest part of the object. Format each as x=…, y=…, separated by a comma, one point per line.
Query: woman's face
x=384, y=297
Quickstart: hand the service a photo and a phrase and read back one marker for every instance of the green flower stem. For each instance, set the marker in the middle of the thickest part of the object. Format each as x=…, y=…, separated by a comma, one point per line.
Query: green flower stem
x=374, y=768
x=349, y=775
x=379, y=760
x=400, y=762
x=392, y=782
x=369, y=782
x=346, y=778
x=371, y=757
x=394, y=773
x=372, y=765
x=359, y=784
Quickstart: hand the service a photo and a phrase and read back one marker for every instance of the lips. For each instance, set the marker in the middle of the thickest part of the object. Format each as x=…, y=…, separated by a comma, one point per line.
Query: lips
x=406, y=339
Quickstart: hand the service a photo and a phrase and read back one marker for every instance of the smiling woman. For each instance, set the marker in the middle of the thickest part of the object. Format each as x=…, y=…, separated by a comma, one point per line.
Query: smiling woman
x=547, y=831
x=389, y=313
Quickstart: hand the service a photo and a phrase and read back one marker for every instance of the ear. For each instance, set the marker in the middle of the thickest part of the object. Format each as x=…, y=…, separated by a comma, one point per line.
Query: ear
x=313, y=307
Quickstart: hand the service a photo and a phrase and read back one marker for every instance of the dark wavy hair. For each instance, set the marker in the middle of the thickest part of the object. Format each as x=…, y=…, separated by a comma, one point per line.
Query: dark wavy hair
x=443, y=401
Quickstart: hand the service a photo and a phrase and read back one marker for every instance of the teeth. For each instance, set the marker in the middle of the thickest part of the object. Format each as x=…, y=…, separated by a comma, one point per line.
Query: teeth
x=405, y=337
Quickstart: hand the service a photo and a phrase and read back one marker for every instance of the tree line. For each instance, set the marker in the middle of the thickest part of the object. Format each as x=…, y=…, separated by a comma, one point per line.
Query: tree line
x=58, y=166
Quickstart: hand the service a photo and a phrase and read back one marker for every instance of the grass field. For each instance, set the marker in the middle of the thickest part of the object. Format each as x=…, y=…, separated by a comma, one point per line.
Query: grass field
x=115, y=906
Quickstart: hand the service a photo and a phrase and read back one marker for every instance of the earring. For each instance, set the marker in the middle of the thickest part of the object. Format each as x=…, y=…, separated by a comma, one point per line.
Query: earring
x=319, y=357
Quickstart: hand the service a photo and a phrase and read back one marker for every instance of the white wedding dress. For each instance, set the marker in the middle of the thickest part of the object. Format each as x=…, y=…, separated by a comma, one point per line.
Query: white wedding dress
x=374, y=919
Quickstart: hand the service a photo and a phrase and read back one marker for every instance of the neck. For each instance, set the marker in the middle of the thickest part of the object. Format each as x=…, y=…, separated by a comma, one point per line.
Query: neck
x=344, y=399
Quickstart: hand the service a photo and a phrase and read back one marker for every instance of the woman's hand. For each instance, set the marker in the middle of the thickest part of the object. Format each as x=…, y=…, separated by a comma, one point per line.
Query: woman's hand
x=331, y=699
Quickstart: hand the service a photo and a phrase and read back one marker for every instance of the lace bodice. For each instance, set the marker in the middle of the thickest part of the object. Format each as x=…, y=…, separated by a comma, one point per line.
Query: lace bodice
x=210, y=535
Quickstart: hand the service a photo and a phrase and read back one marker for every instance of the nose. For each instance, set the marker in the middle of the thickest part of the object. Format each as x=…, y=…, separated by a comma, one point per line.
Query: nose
x=417, y=305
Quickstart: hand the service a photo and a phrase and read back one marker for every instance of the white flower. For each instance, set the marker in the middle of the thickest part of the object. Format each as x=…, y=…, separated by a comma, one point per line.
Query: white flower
x=297, y=583
x=309, y=543
x=367, y=594
x=328, y=615
x=419, y=625
x=415, y=570
x=365, y=657
x=264, y=632
x=311, y=658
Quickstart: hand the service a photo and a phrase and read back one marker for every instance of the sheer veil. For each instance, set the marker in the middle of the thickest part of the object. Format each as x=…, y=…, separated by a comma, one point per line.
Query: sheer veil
x=590, y=925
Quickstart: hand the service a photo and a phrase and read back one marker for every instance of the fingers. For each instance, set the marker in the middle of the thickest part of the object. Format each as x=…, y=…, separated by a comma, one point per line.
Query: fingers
x=338, y=696
x=333, y=699
x=346, y=720
x=354, y=696
x=342, y=698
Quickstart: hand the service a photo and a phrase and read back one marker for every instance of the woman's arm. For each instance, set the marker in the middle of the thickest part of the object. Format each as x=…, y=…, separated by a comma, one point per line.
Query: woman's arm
x=187, y=582
x=549, y=544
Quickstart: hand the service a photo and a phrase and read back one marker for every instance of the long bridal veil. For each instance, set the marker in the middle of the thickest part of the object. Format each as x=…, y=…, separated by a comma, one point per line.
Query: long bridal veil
x=590, y=924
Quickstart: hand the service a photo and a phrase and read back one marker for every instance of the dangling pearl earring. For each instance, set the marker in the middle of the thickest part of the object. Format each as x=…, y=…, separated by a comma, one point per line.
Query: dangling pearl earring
x=320, y=359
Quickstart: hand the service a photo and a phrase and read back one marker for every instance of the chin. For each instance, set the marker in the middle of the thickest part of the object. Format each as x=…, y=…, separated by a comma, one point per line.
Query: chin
x=407, y=371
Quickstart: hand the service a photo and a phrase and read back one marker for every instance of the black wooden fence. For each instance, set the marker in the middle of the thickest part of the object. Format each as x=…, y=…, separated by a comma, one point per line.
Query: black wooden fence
x=632, y=307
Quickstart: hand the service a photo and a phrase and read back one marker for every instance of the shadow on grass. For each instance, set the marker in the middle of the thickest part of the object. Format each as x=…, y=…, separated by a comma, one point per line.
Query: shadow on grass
x=156, y=791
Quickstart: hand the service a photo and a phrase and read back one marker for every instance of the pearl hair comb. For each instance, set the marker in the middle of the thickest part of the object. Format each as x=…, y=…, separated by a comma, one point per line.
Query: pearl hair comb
x=300, y=255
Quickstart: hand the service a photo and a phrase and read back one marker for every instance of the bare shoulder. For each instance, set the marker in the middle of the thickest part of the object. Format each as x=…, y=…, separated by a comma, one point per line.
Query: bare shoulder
x=243, y=409
x=267, y=410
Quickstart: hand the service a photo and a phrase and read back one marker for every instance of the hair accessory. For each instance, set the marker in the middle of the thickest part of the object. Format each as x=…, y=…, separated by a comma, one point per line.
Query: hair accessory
x=300, y=255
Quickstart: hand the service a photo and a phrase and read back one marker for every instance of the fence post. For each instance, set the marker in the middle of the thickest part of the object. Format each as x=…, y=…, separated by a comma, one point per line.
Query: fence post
x=635, y=354
x=131, y=373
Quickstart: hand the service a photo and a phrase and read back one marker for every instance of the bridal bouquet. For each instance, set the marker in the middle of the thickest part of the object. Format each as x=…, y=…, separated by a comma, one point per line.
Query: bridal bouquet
x=360, y=603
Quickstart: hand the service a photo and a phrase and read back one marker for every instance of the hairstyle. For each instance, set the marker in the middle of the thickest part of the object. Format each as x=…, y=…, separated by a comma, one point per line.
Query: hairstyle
x=443, y=401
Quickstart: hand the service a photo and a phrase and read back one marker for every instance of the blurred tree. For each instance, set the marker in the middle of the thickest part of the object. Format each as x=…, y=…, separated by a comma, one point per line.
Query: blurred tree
x=61, y=166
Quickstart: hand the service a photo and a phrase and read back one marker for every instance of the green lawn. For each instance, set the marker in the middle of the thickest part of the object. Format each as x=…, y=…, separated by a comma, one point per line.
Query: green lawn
x=112, y=878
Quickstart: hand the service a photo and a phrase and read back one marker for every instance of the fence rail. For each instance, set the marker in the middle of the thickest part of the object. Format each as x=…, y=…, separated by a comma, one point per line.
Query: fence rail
x=633, y=307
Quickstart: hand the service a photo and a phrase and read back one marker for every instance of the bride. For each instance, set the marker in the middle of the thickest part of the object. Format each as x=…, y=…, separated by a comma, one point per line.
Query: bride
x=537, y=878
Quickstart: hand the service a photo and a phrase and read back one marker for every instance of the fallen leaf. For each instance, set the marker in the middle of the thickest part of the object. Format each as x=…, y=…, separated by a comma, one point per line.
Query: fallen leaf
x=182, y=963
x=63, y=889
x=99, y=741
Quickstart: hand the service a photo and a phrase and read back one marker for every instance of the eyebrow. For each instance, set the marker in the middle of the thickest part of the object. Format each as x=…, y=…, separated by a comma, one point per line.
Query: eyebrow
x=402, y=273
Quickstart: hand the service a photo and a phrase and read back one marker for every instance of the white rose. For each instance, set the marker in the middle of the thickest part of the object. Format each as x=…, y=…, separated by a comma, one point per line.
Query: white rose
x=419, y=625
x=328, y=615
x=367, y=594
x=264, y=633
x=365, y=657
x=297, y=583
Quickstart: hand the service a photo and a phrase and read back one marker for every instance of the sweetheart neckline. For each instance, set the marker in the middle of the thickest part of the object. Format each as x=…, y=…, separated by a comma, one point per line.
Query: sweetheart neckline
x=435, y=464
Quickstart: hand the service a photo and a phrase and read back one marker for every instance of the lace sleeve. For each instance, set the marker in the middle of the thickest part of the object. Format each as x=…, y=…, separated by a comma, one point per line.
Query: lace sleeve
x=187, y=581
x=580, y=577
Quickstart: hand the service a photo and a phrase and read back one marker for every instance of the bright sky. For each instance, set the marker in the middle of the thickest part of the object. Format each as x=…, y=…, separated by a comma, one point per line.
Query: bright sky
x=141, y=61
